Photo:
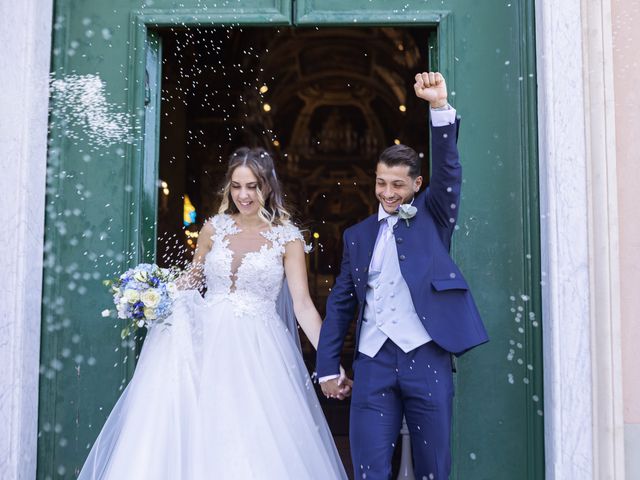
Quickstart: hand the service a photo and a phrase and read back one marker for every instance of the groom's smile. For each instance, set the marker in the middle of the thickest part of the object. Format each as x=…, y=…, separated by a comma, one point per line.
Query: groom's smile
x=395, y=186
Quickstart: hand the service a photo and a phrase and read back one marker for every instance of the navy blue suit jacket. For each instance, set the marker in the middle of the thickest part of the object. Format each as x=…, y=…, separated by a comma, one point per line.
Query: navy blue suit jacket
x=440, y=294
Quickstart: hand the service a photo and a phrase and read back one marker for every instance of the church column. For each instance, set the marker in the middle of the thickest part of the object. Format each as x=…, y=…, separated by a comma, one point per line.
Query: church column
x=25, y=34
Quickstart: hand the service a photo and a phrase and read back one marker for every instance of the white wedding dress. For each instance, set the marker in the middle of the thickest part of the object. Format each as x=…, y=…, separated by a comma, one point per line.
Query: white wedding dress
x=220, y=390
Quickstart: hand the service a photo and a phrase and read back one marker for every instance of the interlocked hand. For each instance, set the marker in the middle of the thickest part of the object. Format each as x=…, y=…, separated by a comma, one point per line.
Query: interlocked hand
x=339, y=388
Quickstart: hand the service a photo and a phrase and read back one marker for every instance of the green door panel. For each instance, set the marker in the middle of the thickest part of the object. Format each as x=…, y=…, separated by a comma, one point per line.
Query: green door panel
x=102, y=201
x=486, y=51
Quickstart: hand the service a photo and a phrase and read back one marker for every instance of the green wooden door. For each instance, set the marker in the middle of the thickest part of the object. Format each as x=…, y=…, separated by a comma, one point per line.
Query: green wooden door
x=486, y=52
x=101, y=206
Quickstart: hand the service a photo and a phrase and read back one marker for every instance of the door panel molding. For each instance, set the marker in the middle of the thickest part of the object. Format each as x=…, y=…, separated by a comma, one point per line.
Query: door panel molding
x=278, y=13
x=531, y=238
x=306, y=13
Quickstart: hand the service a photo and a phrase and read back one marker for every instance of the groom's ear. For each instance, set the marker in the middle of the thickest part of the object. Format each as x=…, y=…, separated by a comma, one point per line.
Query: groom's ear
x=417, y=183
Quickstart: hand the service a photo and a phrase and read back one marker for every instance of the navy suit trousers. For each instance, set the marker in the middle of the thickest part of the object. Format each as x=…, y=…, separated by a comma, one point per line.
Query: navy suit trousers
x=418, y=385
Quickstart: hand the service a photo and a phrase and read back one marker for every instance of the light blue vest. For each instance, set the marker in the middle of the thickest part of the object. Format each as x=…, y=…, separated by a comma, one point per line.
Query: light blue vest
x=389, y=310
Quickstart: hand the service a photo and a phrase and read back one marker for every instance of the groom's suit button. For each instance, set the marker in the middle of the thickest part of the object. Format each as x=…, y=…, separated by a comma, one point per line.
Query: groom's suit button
x=399, y=240
x=402, y=257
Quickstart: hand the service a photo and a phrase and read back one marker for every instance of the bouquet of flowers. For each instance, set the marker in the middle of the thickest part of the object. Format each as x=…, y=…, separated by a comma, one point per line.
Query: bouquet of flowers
x=143, y=295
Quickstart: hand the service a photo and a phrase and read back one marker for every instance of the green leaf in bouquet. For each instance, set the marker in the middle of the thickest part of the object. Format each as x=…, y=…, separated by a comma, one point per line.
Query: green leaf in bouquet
x=125, y=332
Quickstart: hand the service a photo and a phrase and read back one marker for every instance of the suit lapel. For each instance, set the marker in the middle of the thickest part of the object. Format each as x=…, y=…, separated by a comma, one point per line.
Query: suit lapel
x=366, y=240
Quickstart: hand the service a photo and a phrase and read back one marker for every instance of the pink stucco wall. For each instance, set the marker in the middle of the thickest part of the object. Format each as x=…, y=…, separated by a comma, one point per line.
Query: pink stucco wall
x=626, y=57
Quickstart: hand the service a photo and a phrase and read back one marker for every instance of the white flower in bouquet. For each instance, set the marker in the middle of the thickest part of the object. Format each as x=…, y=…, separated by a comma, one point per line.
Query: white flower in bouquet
x=132, y=296
x=140, y=276
x=149, y=314
x=172, y=289
x=151, y=298
x=121, y=308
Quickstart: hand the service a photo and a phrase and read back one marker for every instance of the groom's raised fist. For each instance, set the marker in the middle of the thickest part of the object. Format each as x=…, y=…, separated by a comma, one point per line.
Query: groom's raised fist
x=430, y=86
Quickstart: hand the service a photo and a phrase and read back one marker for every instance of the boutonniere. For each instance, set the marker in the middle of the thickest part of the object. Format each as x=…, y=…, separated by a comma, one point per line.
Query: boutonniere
x=406, y=211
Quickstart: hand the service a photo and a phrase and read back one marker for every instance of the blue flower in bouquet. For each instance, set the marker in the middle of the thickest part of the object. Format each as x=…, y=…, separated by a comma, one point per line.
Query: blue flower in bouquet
x=138, y=311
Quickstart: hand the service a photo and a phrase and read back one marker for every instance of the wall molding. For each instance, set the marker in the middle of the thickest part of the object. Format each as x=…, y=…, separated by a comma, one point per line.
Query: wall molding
x=25, y=33
x=606, y=360
x=579, y=229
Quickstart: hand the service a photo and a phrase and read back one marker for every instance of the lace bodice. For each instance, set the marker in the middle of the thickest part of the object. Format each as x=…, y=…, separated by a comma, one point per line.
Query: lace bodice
x=251, y=278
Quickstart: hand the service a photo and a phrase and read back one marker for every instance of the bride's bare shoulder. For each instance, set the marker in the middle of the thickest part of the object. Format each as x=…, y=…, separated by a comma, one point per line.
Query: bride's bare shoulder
x=208, y=230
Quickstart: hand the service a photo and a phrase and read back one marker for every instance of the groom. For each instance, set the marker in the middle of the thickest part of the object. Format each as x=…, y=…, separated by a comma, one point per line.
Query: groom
x=414, y=306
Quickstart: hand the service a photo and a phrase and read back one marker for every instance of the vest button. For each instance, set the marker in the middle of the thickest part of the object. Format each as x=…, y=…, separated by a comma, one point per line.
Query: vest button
x=402, y=257
x=393, y=309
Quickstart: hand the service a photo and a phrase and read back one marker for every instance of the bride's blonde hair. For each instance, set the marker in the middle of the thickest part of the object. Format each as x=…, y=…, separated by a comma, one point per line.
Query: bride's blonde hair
x=269, y=192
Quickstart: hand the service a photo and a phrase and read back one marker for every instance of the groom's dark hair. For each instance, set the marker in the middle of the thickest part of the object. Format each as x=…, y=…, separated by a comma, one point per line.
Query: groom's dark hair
x=401, y=155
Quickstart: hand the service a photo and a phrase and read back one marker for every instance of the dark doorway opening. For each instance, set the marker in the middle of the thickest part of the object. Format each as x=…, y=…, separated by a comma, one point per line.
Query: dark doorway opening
x=324, y=101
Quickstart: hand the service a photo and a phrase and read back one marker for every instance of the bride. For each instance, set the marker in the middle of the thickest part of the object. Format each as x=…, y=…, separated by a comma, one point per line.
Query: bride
x=220, y=390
